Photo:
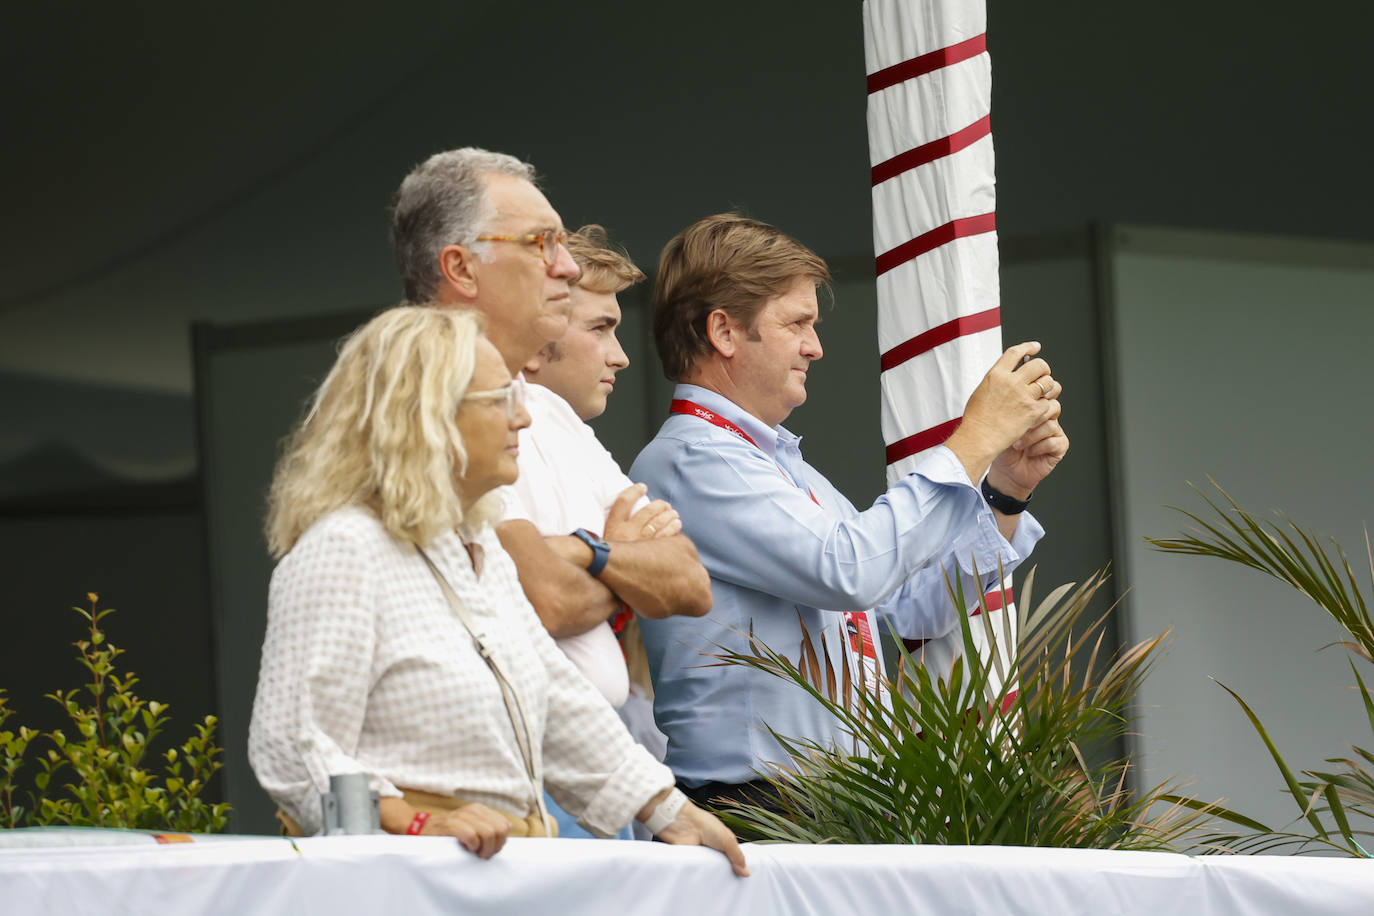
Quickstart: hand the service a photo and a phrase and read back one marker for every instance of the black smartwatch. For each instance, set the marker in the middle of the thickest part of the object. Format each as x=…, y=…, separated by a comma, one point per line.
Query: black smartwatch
x=601, y=551
x=1007, y=505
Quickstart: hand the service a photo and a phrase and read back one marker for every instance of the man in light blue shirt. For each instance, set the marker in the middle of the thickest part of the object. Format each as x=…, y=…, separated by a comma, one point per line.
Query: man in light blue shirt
x=735, y=315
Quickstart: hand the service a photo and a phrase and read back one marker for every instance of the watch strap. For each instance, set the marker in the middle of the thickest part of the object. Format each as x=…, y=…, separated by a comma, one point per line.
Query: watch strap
x=665, y=812
x=1007, y=505
x=601, y=551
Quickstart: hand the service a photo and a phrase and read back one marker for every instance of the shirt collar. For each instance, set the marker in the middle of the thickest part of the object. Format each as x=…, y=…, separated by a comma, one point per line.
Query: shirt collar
x=767, y=437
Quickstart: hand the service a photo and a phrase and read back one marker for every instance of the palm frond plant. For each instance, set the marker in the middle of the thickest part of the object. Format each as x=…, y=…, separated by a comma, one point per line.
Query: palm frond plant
x=996, y=752
x=1338, y=806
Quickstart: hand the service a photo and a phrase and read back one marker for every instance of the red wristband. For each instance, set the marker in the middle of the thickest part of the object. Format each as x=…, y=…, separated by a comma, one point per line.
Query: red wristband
x=417, y=823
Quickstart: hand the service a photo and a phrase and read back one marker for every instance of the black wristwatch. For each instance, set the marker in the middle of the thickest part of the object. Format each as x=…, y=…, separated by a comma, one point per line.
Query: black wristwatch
x=601, y=551
x=1007, y=505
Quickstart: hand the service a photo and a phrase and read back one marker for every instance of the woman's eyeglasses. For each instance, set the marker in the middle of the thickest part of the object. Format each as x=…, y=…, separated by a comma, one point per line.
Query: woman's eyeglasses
x=510, y=394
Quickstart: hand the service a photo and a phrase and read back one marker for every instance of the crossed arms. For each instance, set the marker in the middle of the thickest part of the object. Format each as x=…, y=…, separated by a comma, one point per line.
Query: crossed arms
x=653, y=568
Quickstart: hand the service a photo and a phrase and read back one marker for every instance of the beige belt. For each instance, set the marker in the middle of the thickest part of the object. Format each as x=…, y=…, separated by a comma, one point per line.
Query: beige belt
x=528, y=825
x=520, y=825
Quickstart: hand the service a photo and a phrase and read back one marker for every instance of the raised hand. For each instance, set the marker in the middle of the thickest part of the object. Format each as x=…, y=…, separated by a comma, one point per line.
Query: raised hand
x=1010, y=400
x=1027, y=461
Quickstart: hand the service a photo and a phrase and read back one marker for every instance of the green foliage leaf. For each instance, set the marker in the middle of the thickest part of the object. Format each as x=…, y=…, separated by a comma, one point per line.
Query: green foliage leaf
x=113, y=729
x=989, y=752
x=1299, y=557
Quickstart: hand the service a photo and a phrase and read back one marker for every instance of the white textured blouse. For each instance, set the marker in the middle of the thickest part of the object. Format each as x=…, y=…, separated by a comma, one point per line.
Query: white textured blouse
x=366, y=668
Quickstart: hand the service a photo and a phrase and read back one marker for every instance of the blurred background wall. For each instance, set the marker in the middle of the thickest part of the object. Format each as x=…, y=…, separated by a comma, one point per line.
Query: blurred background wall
x=169, y=164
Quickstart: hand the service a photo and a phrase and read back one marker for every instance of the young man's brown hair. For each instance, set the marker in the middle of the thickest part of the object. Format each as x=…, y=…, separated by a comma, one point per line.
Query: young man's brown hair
x=727, y=262
x=605, y=269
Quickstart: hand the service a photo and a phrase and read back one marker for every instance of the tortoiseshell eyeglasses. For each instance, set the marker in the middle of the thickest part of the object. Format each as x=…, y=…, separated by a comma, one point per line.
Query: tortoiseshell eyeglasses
x=548, y=242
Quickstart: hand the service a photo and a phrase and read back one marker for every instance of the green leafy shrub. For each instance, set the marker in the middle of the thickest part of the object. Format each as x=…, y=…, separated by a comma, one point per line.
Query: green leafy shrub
x=997, y=752
x=98, y=776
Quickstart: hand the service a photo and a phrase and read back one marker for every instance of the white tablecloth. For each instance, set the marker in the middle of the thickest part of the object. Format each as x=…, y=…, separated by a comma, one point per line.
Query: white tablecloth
x=417, y=876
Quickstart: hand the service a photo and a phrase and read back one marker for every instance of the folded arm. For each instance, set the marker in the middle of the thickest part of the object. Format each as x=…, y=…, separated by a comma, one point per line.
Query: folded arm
x=566, y=598
x=652, y=567
x=659, y=577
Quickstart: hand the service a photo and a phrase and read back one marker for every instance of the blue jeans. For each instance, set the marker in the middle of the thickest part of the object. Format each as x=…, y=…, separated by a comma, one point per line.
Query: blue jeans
x=568, y=826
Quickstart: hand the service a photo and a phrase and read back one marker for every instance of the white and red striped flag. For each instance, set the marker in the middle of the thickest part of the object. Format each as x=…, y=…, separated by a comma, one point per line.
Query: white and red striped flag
x=934, y=232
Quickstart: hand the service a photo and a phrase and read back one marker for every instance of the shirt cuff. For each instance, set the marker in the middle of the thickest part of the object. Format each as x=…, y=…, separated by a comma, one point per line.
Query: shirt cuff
x=983, y=546
x=638, y=778
x=1027, y=535
x=940, y=465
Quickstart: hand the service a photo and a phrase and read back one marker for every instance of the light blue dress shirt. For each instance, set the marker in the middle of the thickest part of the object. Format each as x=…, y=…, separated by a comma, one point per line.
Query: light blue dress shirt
x=777, y=556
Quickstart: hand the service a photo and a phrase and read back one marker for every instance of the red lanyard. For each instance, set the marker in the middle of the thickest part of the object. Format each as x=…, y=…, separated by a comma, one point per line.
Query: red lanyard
x=861, y=639
x=693, y=409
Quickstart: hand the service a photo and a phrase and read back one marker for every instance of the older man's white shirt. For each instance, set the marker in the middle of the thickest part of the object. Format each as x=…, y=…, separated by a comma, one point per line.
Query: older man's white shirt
x=568, y=480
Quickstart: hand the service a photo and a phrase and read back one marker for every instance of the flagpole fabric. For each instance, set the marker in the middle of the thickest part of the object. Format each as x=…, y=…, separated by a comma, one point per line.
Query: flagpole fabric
x=934, y=227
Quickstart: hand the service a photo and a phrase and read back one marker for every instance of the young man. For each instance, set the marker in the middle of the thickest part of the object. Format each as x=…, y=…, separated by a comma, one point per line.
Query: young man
x=581, y=366
x=569, y=481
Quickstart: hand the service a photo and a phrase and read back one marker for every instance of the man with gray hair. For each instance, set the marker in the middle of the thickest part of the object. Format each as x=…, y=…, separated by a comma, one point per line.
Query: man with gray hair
x=465, y=226
x=471, y=230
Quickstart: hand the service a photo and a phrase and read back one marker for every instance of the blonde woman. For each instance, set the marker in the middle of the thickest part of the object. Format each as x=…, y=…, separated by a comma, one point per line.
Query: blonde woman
x=370, y=663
